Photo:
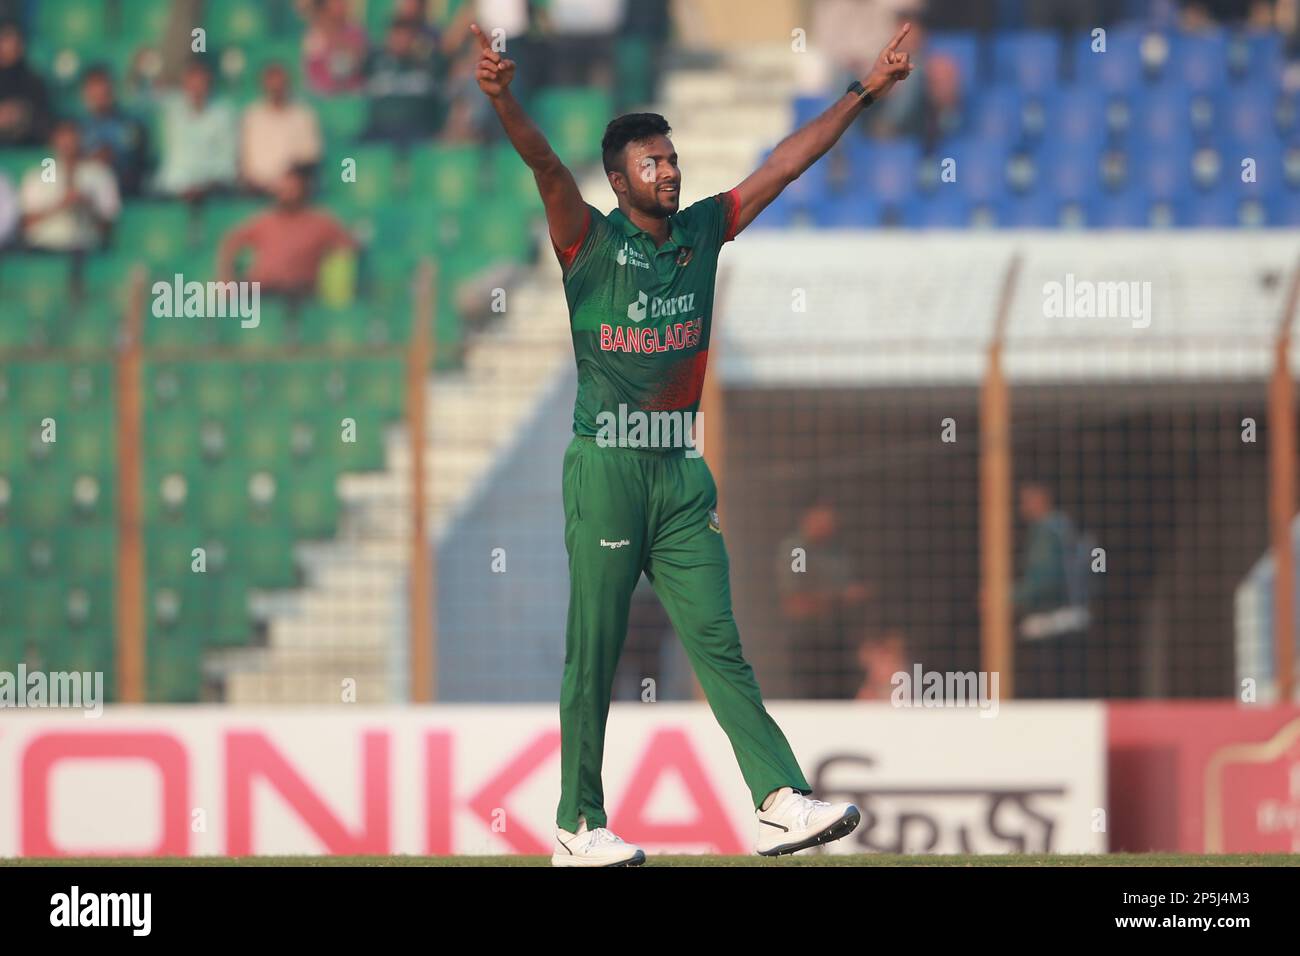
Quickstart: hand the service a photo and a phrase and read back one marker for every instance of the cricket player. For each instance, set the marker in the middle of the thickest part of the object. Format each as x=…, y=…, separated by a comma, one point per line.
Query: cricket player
x=639, y=284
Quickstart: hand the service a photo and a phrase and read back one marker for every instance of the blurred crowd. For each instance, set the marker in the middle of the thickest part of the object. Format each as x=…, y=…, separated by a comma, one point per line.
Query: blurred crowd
x=932, y=108
x=164, y=130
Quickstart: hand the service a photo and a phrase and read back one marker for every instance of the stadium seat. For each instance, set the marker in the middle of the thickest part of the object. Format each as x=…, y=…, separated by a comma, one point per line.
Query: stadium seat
x=376, y=173
x=232, y=22
x=1129, y=209
x=889, y=169
x=1198, y=61
x=71, y=23
x=997, y=115
x=1256, y=57
x=943, y=209
x=448, y=175
x=1076, y=115
x=574, y=119
x=1116, y=70
x=341, y=118
x=1029, y=60
x=980, y=168
x=856, y=211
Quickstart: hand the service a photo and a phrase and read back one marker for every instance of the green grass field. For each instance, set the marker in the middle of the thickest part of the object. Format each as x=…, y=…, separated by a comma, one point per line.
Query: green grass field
x=1114, y=859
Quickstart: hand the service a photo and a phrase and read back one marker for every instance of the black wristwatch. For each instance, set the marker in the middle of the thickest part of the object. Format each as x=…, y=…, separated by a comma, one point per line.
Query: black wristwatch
x=860, y=91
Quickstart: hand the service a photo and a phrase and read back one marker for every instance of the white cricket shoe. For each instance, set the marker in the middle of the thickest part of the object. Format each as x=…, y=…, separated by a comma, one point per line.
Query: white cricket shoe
x=794, y=822
x=598, y=847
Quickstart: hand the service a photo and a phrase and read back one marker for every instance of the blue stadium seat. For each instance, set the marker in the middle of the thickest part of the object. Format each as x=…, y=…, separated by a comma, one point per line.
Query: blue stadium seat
x=779, y=215
x=857, y=211
x=997, y=114
x=1034, y=211
x=1076, y=115
x=944, y=209
x=1198, y=61
x=1163, y=117
x=1029, y=59
x=1256, y=57
x=886, y=170
x=1286, y=211
x=964, y=50
x=1270, y=168
x=1118, y=69
x=1129, y=209
x=1166, y=174
x=812, y=185
x=1248, y=113
x=1069, y=173
x=981, y=167
x=1216, y=210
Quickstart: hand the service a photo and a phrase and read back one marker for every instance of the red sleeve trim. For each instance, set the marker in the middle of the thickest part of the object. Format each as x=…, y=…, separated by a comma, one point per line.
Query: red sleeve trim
x=733, y=215
x=567, y=256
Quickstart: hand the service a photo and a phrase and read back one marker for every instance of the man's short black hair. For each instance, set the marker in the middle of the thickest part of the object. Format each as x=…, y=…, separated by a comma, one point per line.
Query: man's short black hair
x=631, y=128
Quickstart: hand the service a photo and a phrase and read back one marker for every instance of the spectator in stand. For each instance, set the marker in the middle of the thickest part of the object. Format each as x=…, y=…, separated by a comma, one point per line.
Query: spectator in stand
x=68, y=206
x=200, y=139
x=820, y=594
x=278, y=134
x=25, y=112
x=881, y=655
x=402, y=83
x=288, y=242
x=334, y=49
x=580, y=44
x=111, y=135
x=9, y=214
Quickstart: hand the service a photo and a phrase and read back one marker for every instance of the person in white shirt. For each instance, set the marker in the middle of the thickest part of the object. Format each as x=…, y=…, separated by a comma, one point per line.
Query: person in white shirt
x=71, y=204
x=200, y=138
x=277, y=135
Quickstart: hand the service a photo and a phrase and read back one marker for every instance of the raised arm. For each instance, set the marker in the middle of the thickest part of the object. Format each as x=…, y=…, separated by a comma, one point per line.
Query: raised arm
x=794, y=154
x=566, y=212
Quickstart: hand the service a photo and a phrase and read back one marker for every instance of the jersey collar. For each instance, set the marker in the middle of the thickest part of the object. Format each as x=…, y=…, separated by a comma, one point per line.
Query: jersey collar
x=678, y=234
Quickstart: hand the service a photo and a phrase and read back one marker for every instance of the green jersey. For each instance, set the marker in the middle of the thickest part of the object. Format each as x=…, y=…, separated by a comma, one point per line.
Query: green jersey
x=641, y=315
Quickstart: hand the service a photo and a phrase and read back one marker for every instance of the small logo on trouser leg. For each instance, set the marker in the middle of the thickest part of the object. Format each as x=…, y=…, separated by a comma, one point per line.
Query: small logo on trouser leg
x=714, y=523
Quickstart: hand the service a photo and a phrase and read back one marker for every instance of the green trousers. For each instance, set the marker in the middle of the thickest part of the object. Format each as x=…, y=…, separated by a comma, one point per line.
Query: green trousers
x=629, y=511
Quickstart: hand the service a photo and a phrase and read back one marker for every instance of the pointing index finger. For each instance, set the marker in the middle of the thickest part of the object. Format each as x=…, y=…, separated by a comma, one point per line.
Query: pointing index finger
x=903, y=31
x=482, y=39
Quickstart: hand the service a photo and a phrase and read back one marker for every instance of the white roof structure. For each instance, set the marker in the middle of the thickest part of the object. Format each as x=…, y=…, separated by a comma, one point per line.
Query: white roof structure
x=840, y=308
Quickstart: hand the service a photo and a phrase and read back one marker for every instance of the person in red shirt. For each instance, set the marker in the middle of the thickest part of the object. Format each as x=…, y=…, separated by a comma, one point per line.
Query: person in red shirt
x=288, y=242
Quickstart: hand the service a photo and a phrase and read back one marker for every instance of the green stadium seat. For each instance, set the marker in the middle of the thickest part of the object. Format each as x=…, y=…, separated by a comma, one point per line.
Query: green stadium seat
x=380, y=383
x=73, y=23
x=39, y=286
x=90, y=550
x=264, y=556
x=574, y=120
x=233, y=22
x=501, y=230
x=512, y=180
x=341, y=119
x=312, y=502
x=16, y=161
x=450, y=176
x=142, y=21
x=158, y=234
x=377, y=177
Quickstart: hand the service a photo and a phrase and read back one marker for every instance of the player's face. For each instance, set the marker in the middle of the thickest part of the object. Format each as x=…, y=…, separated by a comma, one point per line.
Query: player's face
x=653, y=180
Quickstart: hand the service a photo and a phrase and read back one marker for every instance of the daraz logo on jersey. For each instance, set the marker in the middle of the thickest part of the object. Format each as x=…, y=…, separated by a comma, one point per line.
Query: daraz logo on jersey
x=658, y=307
